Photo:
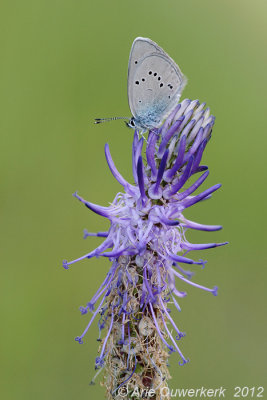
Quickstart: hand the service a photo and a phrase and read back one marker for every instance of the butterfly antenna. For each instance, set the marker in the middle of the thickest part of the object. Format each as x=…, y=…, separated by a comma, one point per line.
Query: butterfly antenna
x=100, y=120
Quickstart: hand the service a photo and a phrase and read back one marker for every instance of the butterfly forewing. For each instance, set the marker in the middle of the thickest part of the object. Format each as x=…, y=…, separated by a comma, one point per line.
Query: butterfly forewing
x=155, y=83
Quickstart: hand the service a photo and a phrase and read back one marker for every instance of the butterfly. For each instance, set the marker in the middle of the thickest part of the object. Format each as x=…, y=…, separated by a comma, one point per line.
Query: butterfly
x=155, y=84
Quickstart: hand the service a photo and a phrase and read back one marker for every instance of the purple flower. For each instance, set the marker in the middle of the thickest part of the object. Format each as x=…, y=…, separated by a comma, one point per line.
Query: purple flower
x=147, y=246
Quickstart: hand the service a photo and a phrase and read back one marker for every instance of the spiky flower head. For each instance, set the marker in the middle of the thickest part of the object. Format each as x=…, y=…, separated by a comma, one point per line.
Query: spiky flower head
x=147, y=246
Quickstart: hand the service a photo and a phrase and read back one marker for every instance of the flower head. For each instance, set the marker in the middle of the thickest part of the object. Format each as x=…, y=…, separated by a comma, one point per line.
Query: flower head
x=147, y=245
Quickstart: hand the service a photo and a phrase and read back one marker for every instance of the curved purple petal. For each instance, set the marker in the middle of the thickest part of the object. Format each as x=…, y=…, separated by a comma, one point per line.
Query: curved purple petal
x=127, y=186
x=174, y=129
x=185, y=175
x=103, y=211
x=169, y=174
x=193, y=187
x=140, y=177
x=204, y=246
x=201, y=196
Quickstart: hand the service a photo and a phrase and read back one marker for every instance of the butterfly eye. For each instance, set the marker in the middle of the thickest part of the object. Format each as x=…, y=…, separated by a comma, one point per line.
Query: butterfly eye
x=131, y=123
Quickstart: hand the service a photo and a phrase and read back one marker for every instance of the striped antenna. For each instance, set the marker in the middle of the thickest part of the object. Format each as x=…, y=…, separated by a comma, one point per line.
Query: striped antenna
x=100, y=120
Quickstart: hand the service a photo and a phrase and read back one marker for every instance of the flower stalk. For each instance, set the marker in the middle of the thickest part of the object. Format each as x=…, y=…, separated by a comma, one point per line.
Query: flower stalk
x=147, y=246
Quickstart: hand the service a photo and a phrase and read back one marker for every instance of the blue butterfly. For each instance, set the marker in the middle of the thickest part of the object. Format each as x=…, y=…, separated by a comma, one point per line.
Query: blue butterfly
x=155, y=84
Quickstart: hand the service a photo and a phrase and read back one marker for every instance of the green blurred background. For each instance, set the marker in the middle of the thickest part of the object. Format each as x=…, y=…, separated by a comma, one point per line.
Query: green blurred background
x=63, y=63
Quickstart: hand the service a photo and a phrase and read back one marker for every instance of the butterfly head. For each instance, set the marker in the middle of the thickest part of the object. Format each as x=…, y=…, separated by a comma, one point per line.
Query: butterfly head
x=137, y=124
x=131, y=123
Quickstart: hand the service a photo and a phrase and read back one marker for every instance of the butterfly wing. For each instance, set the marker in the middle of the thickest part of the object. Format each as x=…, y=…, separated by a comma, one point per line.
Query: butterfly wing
x=155, y=83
